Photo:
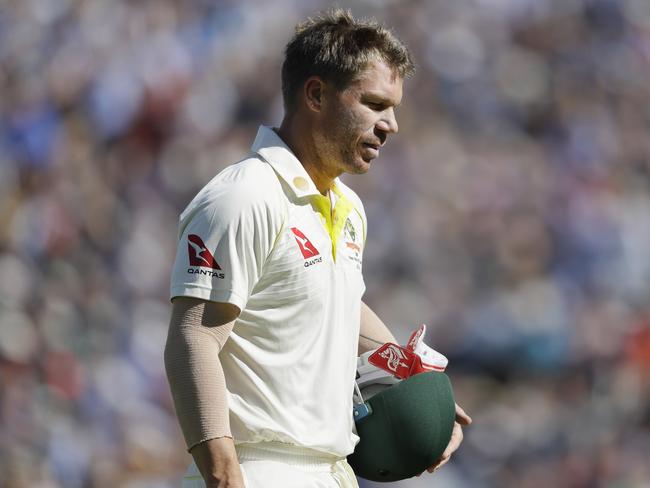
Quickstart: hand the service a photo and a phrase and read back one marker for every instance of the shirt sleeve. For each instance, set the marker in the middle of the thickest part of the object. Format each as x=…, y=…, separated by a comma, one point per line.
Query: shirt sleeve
x=225, y=237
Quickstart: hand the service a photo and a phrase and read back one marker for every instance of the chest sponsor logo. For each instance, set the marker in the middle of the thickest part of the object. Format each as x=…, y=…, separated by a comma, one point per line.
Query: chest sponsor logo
x=307, y=249
x=201, y=257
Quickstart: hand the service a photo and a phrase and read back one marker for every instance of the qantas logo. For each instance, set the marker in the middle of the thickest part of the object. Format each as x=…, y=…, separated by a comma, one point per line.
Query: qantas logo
x=306, y=247
x=199, y=254
x=308, y=250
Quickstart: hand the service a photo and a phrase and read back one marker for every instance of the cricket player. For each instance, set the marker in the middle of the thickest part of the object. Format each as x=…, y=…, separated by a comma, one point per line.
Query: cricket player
x=267, y=312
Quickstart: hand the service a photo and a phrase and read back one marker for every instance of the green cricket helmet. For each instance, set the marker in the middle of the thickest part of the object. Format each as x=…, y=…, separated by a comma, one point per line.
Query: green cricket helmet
x=404, y=412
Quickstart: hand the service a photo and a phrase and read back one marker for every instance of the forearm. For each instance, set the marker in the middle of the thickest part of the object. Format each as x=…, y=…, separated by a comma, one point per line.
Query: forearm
x=197, y=332
x=195, y=375
x=218, y=463
x=373, y=332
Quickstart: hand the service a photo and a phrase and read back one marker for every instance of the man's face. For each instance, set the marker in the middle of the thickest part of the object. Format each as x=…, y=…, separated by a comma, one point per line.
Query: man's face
x=357, y=120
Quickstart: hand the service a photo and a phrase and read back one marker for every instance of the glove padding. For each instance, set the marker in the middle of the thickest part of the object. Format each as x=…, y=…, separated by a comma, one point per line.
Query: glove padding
x=415, y=358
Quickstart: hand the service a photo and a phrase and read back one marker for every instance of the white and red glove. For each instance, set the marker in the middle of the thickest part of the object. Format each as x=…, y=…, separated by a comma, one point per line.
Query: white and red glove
x=404, y=362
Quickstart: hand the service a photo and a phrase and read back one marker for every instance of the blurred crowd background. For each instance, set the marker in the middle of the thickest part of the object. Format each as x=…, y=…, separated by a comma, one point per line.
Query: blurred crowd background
x=511, y=214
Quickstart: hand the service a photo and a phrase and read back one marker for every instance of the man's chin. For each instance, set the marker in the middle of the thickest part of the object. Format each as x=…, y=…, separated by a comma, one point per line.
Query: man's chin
x=361, y=167
x=359, y=164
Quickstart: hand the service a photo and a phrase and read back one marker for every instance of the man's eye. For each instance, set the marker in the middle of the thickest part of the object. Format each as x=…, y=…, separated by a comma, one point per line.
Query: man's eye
x=376, y=106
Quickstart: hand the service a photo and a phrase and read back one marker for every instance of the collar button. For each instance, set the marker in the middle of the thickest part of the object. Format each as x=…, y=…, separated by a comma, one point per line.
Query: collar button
x=300, y=183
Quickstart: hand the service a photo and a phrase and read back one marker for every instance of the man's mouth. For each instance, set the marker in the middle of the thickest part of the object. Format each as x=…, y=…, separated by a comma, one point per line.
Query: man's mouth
x=373, y=147
x=371, y=151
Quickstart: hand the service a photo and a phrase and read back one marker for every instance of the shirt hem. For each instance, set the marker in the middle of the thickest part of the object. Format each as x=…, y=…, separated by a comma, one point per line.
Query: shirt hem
x=227, y=296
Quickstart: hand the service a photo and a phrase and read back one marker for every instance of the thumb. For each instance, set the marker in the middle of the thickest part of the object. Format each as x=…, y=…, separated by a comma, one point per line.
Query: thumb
x=461, y=417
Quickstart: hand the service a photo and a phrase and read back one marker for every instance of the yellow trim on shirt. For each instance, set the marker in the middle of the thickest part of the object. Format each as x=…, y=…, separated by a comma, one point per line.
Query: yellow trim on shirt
x=334, y=219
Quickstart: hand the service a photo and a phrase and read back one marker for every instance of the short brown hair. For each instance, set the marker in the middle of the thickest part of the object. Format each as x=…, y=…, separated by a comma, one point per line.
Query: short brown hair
x=337, y=47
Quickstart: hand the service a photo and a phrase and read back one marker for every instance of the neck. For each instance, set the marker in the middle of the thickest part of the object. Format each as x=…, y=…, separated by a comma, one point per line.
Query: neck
x=298, y=135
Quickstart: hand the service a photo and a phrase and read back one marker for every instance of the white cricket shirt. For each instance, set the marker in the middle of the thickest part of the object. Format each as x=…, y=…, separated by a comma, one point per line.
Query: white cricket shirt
x=261, y=236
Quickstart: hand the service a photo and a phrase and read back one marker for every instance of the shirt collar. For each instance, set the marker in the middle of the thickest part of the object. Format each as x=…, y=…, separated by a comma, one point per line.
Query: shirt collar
x=272, y=148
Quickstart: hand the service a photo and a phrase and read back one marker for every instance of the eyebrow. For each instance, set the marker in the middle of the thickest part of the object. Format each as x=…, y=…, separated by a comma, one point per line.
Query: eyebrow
x=377, y=98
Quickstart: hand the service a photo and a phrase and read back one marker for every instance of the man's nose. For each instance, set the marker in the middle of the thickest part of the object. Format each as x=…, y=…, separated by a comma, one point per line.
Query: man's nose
x=388, y=122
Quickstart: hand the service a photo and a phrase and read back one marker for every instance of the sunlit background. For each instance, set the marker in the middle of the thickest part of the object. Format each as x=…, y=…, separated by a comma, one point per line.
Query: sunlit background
x=511, y=214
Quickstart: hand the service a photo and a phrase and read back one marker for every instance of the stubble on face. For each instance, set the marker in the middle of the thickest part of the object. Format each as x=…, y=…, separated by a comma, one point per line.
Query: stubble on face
x=355, y=125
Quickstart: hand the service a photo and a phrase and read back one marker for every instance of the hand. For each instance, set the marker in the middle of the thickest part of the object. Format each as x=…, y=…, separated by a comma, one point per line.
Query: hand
x=462, y=419
x=217, y=461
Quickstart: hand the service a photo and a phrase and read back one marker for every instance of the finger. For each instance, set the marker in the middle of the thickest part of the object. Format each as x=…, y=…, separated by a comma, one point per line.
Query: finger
x=461, y=416
x=454, y=442
x=443, y=460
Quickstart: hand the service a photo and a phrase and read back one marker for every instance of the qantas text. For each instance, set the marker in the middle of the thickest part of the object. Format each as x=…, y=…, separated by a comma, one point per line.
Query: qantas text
x=319, y=259
x=207, y=272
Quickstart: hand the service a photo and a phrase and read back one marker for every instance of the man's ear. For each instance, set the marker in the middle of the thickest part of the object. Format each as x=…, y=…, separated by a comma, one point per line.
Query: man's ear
x=313, y=91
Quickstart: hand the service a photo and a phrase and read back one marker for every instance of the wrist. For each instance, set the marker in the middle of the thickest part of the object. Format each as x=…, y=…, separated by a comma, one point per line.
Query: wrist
x=217, y=461
x=221, y=468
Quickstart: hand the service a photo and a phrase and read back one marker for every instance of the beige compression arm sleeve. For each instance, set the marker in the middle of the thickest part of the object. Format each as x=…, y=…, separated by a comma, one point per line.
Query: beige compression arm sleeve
x=373, y=332
x=194, y=371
